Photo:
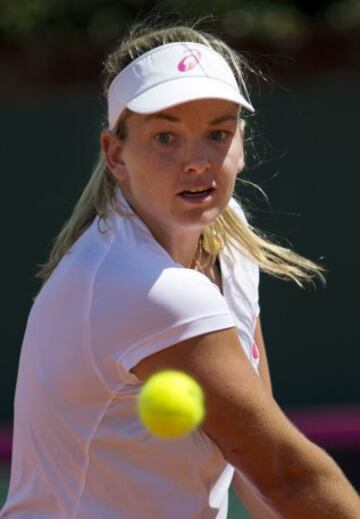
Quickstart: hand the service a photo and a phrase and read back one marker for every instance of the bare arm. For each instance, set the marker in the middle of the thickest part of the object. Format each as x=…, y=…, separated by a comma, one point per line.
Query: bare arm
x=249, y=497
x=296, y=478
x=247, y=493
x=263, y=362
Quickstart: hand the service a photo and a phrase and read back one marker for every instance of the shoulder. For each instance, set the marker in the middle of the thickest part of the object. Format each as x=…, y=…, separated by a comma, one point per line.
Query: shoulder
x=188, y=291
x=240, y=270
x=235, y=205
x=157, y=289
x=239, y=252
x=137, y=313
x=138, y=273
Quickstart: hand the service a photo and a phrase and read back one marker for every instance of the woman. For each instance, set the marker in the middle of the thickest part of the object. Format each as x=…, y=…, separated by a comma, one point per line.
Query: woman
x=158, y=268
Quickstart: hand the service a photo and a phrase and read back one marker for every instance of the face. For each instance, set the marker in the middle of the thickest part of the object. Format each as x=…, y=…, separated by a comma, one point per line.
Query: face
x=195, y=144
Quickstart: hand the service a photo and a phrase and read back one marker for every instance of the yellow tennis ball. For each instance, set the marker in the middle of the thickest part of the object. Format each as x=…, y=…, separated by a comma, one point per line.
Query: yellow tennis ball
x=171, y=404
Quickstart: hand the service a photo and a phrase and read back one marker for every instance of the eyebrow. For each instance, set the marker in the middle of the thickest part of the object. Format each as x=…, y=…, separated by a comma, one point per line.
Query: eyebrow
x=167, y=117
x=173, y=119
x=224, y=118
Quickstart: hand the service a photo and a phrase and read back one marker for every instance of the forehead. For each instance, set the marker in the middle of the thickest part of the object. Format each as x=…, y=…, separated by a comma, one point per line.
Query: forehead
x=211, y=110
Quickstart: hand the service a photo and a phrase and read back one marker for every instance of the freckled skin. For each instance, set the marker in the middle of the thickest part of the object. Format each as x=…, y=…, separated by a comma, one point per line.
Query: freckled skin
x=162, y=157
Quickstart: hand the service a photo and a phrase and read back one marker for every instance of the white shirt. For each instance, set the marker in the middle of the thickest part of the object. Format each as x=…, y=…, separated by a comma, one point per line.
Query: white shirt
x=79, y=450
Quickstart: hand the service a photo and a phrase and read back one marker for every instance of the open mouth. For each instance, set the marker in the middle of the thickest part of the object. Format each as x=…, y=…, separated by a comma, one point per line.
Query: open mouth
x=197, y=194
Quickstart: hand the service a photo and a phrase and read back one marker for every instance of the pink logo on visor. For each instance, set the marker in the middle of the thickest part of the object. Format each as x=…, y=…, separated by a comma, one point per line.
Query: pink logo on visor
x=189, y=61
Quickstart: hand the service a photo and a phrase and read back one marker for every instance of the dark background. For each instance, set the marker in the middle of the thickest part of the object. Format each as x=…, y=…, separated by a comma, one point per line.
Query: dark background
x=304, y=152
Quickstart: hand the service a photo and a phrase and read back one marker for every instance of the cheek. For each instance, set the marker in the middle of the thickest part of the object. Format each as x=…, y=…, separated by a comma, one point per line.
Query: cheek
x=233, y=164
x=237, y=158
x=149, y=173
x=148, y=158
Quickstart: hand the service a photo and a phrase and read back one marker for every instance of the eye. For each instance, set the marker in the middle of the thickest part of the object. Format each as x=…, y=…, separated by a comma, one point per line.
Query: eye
x=164, y=138
x=219, y=135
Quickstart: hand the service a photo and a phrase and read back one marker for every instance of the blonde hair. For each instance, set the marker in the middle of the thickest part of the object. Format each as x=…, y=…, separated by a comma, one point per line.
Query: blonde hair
x=99, y=194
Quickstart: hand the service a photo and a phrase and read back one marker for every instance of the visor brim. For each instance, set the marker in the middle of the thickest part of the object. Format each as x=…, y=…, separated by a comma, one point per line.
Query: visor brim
x=183, y=90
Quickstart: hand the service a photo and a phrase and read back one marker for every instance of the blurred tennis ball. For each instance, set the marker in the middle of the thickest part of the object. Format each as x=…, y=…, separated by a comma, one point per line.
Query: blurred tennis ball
x=171, y=404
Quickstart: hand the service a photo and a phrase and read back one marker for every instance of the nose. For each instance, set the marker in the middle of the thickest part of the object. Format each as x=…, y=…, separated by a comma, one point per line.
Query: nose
x=196, y=162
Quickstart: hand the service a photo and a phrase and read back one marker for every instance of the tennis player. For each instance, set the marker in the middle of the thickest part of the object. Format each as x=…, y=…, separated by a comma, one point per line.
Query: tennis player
x=158, y=268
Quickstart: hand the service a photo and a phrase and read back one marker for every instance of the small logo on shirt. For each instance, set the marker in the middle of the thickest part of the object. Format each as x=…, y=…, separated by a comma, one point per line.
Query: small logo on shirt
x=189, y=61
x=255, y=351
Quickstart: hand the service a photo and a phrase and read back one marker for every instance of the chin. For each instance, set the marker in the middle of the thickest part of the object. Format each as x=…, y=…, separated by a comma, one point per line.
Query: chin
x=197, y=220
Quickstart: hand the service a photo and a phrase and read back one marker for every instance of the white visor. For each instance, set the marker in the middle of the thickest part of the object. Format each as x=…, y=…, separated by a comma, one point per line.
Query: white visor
x=169, y=75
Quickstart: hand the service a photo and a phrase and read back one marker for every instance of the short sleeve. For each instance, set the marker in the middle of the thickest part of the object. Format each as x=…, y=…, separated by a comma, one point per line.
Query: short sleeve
x=244, y=271
x=136, y=316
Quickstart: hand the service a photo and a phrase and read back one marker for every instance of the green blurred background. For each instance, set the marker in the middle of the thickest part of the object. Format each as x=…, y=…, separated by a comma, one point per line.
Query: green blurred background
x=303, y=152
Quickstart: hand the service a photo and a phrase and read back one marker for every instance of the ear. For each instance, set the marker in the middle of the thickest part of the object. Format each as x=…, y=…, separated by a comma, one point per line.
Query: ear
x=241, y=164
x=112, y=149
x=241, y=160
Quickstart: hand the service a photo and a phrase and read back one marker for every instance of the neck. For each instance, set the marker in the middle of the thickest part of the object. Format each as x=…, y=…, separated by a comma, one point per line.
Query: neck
x=184, y=249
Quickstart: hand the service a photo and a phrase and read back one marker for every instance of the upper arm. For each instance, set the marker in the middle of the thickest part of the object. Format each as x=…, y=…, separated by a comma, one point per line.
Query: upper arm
x=263, y=364
x=249, y=497
x=241, y=416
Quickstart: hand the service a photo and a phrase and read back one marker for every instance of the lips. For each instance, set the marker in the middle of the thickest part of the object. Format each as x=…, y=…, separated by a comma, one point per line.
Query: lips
x=193, y=190
x=197, y=197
